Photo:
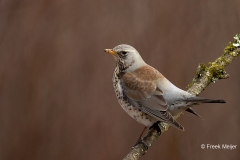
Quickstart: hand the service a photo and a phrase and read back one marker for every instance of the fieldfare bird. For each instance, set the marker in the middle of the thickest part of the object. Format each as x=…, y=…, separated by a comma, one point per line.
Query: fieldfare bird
x=145, y=94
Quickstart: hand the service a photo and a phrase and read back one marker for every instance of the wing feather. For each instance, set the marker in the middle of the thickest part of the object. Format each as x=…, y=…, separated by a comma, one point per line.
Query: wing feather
x=145, y=92
x=163, y=116
x=142, y=92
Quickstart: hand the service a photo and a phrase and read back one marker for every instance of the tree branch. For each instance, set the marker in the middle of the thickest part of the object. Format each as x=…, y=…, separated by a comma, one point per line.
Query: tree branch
x=205, y=74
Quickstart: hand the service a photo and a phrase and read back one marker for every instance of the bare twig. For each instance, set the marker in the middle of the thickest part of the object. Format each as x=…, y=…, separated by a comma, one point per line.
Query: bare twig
x=205, y=74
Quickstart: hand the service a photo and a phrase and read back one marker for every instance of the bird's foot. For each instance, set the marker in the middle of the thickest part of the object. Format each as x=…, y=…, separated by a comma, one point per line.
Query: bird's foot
x=156, y=126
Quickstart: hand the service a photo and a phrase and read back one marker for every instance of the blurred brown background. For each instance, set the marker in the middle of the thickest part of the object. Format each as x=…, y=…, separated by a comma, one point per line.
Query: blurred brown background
x=56, y=96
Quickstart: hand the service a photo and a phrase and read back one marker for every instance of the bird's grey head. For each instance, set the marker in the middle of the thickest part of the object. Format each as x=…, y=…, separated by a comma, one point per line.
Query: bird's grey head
x=128, y=59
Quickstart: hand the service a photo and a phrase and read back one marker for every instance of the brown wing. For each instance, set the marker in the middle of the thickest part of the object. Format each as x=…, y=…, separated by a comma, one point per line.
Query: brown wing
x=143, y=90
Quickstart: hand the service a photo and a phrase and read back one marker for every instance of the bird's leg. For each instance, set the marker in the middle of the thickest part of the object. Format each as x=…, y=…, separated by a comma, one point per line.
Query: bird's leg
x=140, y=138
x=156, y=126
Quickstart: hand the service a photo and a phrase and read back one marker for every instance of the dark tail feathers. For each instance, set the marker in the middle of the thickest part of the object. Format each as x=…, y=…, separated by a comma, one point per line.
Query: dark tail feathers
x=204, y=100
x=190, y=110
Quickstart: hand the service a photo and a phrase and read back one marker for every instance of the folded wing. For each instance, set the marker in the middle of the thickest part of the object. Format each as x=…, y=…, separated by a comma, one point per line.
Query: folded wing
x=144, y=94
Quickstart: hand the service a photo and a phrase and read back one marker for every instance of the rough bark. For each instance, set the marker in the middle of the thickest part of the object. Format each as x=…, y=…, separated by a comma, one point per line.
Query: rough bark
x=205, y=74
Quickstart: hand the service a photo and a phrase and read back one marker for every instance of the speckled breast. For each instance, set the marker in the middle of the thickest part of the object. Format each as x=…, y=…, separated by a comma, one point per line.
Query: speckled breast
x=131, y=110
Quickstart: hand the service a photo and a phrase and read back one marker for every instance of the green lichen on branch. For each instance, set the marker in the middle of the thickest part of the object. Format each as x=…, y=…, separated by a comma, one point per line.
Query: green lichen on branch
x=201, y=70
x=230, y=48
x=213, y=71
x=205, y=74
x=216, y=72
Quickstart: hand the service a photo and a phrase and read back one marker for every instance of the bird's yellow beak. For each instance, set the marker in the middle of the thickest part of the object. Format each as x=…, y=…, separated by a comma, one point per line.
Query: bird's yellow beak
x=110, y=51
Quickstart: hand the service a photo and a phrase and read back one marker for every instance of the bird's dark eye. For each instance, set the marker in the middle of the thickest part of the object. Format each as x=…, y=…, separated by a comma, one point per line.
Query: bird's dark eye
x=124, y=53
